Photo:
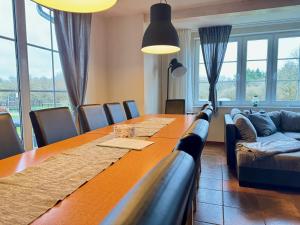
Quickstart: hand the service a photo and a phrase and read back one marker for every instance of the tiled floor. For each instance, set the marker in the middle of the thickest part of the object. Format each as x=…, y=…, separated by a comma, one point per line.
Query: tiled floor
x=221, y=200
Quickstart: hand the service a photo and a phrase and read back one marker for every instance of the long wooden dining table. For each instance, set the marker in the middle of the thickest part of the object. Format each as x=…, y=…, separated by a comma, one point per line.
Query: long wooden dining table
x=93, y=201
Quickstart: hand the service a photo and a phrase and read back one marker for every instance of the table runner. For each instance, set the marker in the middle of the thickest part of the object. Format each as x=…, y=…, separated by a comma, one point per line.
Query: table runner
x=27, y=195
x=151, y=126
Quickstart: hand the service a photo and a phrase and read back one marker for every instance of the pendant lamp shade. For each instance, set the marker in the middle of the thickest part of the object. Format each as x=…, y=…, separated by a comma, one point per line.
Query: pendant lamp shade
x=78, y=6
x=161, y=36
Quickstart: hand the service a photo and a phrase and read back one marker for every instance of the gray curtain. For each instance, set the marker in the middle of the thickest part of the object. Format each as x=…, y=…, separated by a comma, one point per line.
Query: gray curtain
x=214, y=42
x=73, y=40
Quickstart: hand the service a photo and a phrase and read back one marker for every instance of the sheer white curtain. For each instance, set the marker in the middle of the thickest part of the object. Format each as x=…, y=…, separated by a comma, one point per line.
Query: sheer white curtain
x=180, y=88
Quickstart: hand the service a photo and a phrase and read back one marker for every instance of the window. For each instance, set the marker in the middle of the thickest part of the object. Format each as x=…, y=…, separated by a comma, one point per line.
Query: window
x=266, y=66
x=256, y=69
x=27, y=33
x=9, y=83
x=288, y=76
x=47, y=85
x=226, y=87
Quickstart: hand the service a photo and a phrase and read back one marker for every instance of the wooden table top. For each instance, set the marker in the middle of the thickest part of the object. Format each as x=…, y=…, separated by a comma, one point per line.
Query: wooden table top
x=94, y=200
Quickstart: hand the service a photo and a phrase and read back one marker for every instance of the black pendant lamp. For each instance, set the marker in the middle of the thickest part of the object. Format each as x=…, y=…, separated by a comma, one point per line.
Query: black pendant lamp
x=161, y=36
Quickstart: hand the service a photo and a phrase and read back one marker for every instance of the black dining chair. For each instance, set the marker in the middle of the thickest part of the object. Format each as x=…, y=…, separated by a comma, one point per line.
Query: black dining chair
x=131, y=109
x=194, y=139
x=160, y=197
x=193, y=143
x=114, y=112
x=52, y=125
x=175, y=106
x=92, y=117
x=10, y=143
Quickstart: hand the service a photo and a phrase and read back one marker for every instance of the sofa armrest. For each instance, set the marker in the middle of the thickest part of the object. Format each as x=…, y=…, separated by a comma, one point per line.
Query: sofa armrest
x=230, y=140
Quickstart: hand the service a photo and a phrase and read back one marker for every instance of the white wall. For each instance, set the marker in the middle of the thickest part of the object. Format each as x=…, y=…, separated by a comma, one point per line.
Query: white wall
x=116, y=66
x=152, y=84
x=97, y=80
x=125, y=61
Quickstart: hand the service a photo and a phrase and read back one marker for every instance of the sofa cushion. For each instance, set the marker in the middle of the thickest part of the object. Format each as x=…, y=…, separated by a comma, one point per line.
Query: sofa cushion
x=234, y=112
x=263, y=124
x=275, y=117
x=294, y=135
x=290, y=121
x=246, y=129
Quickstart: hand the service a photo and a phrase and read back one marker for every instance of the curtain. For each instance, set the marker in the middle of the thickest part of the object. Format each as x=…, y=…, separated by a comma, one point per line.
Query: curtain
x=179, y=88
x=73, y=39
x=214, y=42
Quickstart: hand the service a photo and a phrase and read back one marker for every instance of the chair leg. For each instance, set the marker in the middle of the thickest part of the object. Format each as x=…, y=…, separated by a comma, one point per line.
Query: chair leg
x=190, y=218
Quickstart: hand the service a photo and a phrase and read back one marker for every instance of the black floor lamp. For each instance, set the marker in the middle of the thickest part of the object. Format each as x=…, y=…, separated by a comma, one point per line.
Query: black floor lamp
x=177, y=70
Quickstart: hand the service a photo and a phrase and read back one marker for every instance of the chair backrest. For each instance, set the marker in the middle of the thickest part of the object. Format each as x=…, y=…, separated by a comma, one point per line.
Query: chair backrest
x=52, y=125
x=205, y=114
x=10, y=143
x=194, y=139
x=175, y=106
x=161, y=197
x=114, y=112
x=92, y=117
x=131, y=109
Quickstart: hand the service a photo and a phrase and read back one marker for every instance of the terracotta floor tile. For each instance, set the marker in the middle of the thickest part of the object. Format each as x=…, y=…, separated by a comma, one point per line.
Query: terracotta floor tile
x=247, y=205
x=233, y=185
x=208, y=183
x=240, y=200
x=236, y=216
x=209, y=213
x=274, y=206
x=211, y=173
x=210, y=196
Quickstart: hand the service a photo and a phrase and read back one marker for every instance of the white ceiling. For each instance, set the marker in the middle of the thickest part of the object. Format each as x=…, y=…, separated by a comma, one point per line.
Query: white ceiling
x=289, y=14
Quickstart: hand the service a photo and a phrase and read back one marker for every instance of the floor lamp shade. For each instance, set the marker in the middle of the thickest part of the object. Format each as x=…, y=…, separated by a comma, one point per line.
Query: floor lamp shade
x=82, y=6
x=161, y=36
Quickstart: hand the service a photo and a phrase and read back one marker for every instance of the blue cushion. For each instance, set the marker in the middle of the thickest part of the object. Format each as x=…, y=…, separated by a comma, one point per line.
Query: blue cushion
x=290, y=121
x=275, y=117
x=263, y=124
x=246, y=130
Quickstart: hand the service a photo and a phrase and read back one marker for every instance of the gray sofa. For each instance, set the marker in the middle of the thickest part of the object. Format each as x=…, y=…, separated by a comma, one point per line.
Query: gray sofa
x=275, y=170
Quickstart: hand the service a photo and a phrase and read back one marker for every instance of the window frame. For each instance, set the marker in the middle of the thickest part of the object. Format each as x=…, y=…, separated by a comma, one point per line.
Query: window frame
x=23, y=77
x=271, y=73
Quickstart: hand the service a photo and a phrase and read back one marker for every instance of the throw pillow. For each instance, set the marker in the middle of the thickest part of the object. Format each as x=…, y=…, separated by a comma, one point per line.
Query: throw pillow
x=290, y=121
x=246, y=129
x=263, y=124
x=275, y=117
x=234, y=112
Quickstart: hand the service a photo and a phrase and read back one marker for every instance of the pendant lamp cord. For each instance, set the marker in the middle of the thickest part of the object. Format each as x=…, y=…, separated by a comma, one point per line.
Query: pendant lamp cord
x=164, y=1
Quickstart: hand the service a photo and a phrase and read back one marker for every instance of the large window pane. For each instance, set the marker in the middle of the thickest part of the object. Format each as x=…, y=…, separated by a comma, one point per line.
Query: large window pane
x=226, y=86
x=288, y=69
x=203, y=91
x=60, y=84
x=6, y=19
x=10, y=102
x=289, y=47
x=256, y=69
x=287, y=90
x=40, y=69
x=8, y=65
x=41, y=100
x=61, y=99
x=38, y=27
x=231, y=52
x=257, y=49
